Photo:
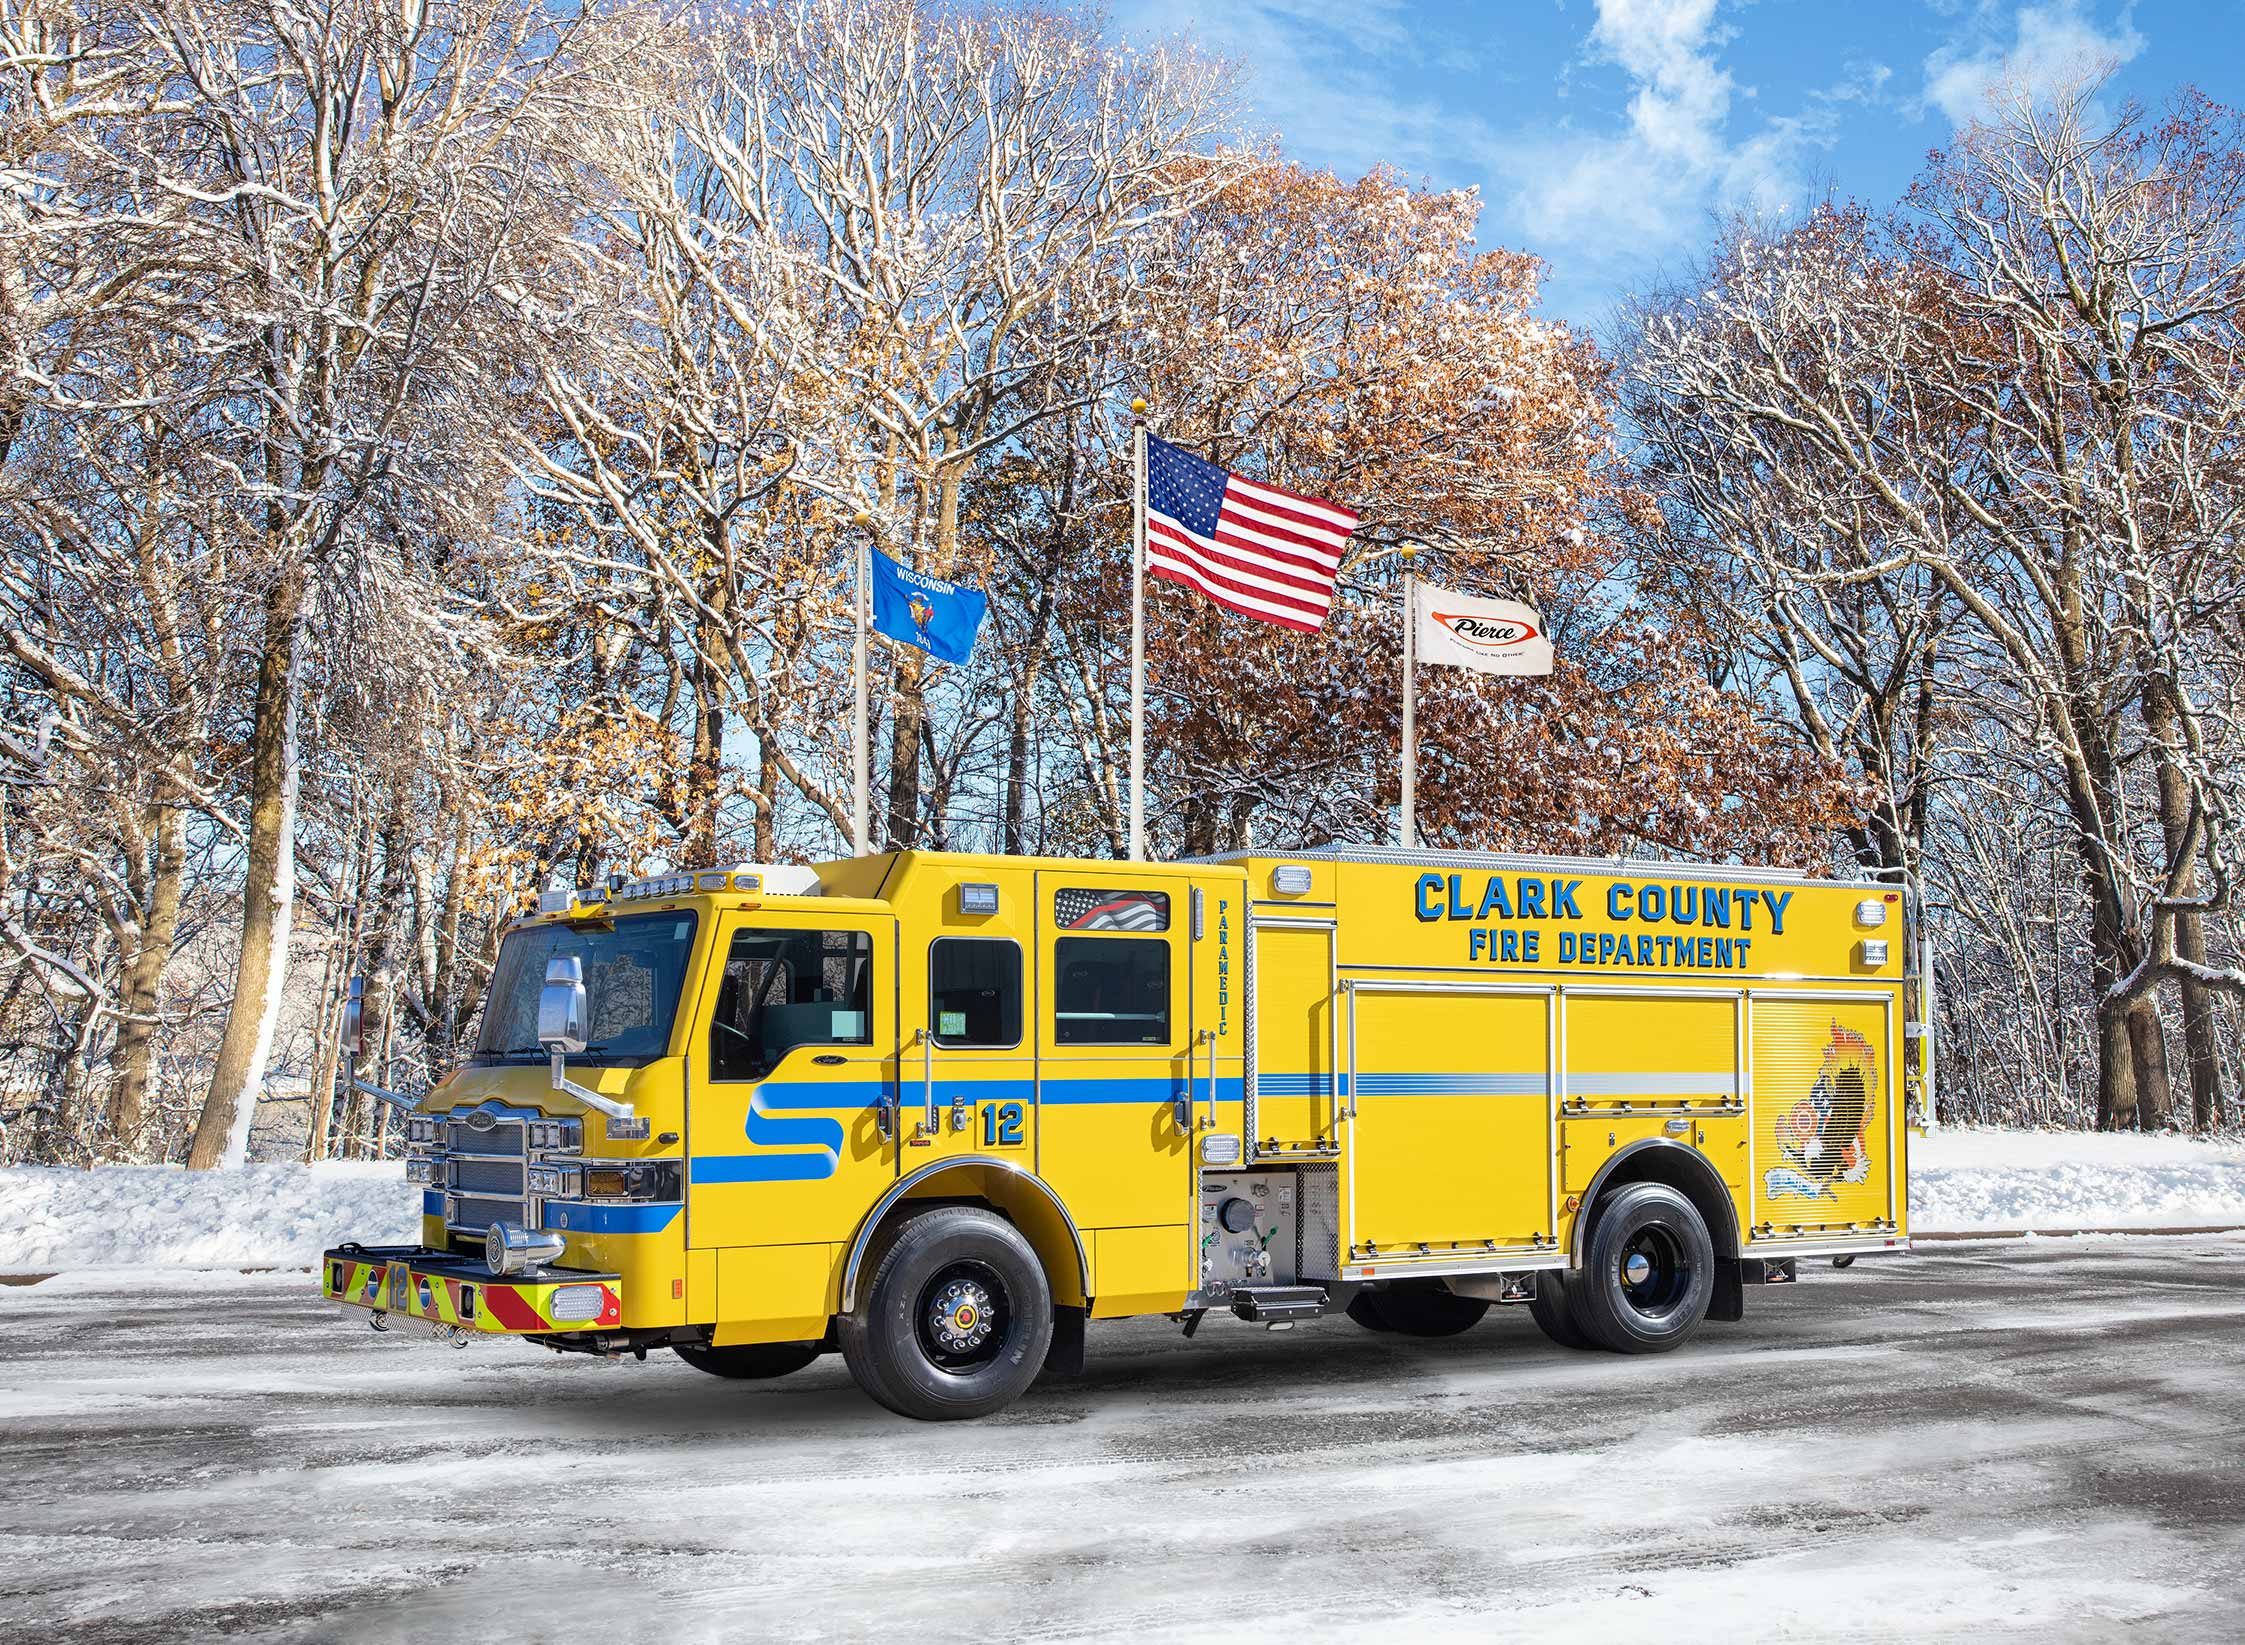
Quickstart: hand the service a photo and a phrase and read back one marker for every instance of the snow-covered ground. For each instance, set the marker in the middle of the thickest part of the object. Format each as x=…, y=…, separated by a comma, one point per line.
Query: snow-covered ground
x=2015, y=1443
x=261, y=1216
x=281, y=1216
x=1971, y=1180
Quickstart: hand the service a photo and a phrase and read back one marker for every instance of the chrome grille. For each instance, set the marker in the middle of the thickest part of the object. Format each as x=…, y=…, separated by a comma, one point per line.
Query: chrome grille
x=473, y=1215
x=504, y=1139
x=485, y=1176
x=488, y=1176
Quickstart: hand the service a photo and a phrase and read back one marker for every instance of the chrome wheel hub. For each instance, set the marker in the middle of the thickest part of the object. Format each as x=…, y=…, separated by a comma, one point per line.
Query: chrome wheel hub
x=961, y=1317
x=1636, y=1268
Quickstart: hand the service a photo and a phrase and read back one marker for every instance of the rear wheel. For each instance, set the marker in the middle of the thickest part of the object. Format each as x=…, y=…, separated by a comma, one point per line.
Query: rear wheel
x=1648, y=1271
x=954, y=1320
x=1554, y=1309
x=750, y=1361
x=1364, y=1308
x=1425, y=1309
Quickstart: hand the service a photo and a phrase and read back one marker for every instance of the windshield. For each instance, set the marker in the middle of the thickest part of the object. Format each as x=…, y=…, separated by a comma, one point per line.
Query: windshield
x=633, y=969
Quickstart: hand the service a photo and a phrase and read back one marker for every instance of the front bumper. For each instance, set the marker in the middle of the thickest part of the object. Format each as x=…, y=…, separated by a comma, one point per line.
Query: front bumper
x=444, y=1288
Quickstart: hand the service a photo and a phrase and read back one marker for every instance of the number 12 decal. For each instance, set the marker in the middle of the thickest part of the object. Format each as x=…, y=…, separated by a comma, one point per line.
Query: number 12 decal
x=1001, y=1125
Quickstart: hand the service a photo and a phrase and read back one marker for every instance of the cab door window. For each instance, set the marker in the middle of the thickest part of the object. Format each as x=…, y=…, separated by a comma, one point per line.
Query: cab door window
x=782, y=989
x=974, y=992
x=1110, y=991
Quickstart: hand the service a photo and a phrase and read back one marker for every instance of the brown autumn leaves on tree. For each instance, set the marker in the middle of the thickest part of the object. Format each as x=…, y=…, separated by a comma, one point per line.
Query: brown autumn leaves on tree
x=1348, y=340
x=558, y=576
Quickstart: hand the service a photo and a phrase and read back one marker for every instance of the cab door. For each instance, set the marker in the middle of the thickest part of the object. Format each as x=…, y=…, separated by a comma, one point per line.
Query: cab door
x=792, y=1067
x=967, y=1067
x=1115, y=1042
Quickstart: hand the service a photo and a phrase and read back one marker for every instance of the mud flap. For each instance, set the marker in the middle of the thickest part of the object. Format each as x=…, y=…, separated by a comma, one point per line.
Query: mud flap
x=1729, y=1301
x=1065, y=1358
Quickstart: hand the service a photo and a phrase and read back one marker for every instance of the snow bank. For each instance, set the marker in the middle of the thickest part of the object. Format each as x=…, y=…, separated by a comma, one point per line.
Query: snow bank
x=259, y=1216
x=280, y=1216
x=1966, y=1180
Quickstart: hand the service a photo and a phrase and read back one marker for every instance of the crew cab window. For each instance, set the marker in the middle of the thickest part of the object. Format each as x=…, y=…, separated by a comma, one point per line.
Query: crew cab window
x=782, y=989
x=974, y=992
x=1106, y=908
x=1110, y=991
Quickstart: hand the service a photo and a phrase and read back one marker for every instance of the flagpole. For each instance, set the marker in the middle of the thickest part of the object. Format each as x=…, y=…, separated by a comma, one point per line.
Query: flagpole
x=1138, y=631
x=1410, y=698
x=861, y=800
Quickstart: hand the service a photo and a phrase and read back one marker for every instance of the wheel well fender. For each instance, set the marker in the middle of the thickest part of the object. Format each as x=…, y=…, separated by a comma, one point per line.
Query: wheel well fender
x=1657, y=1159
x=1021, y=1196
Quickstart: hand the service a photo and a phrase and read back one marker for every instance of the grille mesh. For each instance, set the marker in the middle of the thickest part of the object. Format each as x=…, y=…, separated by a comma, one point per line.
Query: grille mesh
x=487, y=1176
x=504, y=1139
x=473, y=1214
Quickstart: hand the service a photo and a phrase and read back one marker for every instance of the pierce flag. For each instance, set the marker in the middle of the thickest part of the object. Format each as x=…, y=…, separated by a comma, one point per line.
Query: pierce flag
x=1494, y=636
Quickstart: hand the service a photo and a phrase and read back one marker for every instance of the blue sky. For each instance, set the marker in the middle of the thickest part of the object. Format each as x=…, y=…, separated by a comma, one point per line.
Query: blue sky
x=1605, y=135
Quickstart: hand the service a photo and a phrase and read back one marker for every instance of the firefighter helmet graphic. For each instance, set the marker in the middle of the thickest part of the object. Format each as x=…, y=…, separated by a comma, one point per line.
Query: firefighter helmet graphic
x=1821, y=1136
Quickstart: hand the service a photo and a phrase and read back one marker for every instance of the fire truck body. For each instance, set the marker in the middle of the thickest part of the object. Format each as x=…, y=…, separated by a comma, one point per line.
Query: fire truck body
x=938, y=1110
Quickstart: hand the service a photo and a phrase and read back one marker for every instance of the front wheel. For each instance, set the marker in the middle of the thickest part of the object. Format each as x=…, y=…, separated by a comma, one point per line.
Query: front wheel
x=1554, y=1309
x=1648, y=1271
x=754, y=1361
x=954, y=1320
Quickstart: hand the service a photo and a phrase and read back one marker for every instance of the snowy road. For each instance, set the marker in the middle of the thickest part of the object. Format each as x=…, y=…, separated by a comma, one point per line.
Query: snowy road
x=2019, y=1441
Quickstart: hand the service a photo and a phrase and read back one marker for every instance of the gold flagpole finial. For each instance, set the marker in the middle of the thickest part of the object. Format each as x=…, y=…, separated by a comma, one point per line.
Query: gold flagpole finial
x=1138, y=408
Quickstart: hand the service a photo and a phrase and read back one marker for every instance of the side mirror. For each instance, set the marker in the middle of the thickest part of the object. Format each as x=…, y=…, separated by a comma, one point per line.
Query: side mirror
x=561, y=1006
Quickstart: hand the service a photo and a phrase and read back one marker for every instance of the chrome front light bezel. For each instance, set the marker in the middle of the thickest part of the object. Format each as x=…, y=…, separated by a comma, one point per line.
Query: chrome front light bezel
x=422, y=1130
x=552, y=1181
x=555, y=1136
x=425, y=1169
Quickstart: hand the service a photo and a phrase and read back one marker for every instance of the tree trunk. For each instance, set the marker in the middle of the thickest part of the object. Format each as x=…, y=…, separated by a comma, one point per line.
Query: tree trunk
x=135, y=1053
x=2147, y=1045
x=2116, y=1081
x=2201, y=1043
x=268, y=888
x=705, y=770
x=902, y=827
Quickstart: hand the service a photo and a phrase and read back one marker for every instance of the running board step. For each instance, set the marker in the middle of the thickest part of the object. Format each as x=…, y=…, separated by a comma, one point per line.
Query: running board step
x=1264, y=1303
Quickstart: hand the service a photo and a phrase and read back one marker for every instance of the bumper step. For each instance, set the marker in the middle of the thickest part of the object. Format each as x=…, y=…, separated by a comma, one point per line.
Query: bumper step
x=445, y=1288
x=1263, y=1304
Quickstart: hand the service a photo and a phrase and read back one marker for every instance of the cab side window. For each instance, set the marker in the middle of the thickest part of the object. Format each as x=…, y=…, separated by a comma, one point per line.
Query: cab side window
x=782, y=989
x=974, y=992
x=1110, y=991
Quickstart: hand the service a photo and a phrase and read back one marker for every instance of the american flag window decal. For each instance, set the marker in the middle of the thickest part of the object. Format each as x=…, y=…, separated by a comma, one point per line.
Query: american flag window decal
x=1088, y=908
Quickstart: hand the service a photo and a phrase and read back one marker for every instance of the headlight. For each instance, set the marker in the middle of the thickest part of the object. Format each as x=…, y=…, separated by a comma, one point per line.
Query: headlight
x=556, y=1136
x=637, y=1179
x=420, y=1168
x=420, y=1130
x=549, y=1179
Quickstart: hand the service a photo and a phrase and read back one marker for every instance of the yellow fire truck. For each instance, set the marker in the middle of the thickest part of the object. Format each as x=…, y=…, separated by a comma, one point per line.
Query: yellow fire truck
x=937, y=1111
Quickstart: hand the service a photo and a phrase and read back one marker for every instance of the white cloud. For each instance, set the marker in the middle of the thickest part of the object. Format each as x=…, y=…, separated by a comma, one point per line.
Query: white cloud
x=1325, y=74
x=1616, y=196
x=2049, y=45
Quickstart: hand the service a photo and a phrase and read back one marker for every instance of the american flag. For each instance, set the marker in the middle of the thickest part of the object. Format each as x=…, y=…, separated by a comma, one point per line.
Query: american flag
x=1250, y=547
x=1078, y=908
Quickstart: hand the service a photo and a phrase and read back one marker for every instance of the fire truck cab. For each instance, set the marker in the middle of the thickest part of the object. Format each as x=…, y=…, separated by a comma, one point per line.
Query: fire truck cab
x=938, y=1111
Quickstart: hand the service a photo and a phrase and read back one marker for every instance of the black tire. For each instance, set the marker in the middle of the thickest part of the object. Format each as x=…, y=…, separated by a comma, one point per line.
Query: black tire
x=954, y=1319
x=1424, y=1309
x=1843, y=1262
x=1365, y=1309
x=1648, y=1271
x=1554, y=1309
x=753, y=1361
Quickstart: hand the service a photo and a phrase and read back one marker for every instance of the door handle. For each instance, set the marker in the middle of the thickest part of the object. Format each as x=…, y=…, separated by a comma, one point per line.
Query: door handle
x=930, y=1125
x=1209, y=1034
